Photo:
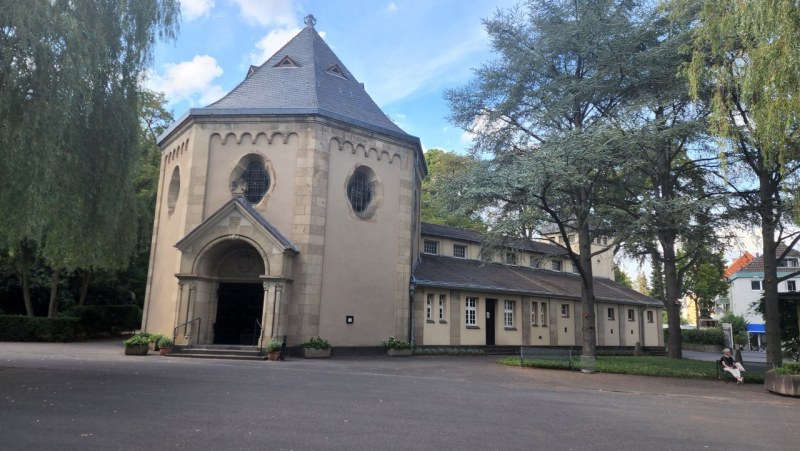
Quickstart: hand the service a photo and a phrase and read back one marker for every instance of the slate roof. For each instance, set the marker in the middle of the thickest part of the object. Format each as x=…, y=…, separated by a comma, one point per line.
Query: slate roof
x=477, y=237
x=456, y=273
x=304, y=77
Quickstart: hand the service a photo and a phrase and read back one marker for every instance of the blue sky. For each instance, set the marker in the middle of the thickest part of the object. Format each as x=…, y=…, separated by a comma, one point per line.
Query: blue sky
x=406, y=52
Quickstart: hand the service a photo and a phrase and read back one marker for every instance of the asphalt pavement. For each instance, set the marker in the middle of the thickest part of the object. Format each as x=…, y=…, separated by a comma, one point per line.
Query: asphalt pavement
x=89, y=396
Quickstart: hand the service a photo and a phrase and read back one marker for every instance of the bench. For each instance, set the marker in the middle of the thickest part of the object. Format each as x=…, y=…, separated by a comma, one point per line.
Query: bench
x=548, y=354
x=722, y=374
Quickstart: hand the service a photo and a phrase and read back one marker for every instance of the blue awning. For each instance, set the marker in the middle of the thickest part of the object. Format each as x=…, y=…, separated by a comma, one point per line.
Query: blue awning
x=756, y=328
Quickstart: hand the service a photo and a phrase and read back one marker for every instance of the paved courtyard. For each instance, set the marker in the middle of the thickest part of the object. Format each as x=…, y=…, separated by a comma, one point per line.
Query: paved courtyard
x=89, y=396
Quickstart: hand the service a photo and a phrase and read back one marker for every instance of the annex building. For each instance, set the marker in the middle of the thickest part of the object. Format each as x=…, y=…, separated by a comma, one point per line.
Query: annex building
x=291, y=206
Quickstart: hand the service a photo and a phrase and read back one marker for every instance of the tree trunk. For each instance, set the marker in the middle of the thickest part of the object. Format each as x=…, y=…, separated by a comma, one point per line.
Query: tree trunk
x=696, y=312
x=588, y=323
x=22, y=265
x=85, y=279
x=51, y=310
x=671, y=300
x=770, y=287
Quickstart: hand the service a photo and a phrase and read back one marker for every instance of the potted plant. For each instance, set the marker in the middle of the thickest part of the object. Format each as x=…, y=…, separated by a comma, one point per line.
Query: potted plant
x=274, y=349
x=397, y=348
x=316, y=348
x=784, y=380
x=138, y=344
x=165, y=345
x=154, y=338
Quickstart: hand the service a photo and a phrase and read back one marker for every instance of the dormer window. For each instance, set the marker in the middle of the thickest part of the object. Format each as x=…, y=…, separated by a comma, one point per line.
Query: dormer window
x=287, y=62
x=787, y=263
x=336, y=70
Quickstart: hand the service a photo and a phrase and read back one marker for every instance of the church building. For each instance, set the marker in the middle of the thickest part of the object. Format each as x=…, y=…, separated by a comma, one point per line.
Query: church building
x=291, y=207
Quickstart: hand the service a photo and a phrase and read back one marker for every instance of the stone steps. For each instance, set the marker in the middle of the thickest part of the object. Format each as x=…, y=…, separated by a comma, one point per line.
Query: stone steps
x=229, y=352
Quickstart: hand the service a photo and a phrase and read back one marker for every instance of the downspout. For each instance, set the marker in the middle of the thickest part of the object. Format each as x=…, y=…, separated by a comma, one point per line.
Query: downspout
x=411, y=287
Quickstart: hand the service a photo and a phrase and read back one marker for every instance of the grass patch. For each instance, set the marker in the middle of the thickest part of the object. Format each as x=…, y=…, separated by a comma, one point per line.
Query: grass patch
x=644, y=366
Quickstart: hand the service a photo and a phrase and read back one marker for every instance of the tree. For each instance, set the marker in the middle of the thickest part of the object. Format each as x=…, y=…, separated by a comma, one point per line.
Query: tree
x=443, y=166
x=747, y=51
x=621, y=277
x=69, y=128
x=704, y=282
x=545, y=112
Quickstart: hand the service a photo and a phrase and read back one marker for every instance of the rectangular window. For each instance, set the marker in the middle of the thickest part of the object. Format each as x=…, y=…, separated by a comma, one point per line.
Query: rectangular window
x=511, y=258
x=649, y=316
x=631, y=314
x=534, y=313
x=472, y=306
x=787, y=263
x=556, y=265
x=442, y=304
x=574, y=267
x=431, y=247
x=544, y=314
x=605, y=241
x=565, y=310
x=791, y=285
x=459, y=251
x=534, y=262
x=508, y=313
x=755, y=285
x=429, y=307
x=611, y=314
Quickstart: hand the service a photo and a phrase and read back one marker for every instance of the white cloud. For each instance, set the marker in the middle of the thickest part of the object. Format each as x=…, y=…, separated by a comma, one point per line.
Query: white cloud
x=271, y=43
x=191, y=81
x=391, y=7
x=192, y=9
x=267, y=12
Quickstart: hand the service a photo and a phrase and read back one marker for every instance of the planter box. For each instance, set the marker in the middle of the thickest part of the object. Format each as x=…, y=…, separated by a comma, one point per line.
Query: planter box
x=137, y=350
x=788, y=385
x=392, y=352
x=314, y=353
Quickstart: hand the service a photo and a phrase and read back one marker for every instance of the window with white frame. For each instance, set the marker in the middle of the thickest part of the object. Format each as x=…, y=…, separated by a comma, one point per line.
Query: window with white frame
x=791, y=285
x=534, y=313
x=431, y=247
x=508, y=313
x=543, y=321
x=534, y=262
x=755, y=285
x=565, y=310
x=631, y=314
x=429, y=307
x=611, y=313
x=555, y=265
x=472, y=307
x=442, y=307
x=649, y=316
x=787, y=263
x=459, y=251
x=574, y=267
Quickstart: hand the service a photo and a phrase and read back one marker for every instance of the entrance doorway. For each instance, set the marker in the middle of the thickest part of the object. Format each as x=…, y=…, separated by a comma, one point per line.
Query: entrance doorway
x=239, y=305
x=490, y=307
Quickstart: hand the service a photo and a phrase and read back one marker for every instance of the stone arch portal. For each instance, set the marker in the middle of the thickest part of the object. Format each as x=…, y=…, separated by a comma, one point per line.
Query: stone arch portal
x=225, y=302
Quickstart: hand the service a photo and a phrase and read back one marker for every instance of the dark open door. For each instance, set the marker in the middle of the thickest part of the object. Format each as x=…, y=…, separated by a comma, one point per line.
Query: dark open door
x=491, y=304
x=239, y=306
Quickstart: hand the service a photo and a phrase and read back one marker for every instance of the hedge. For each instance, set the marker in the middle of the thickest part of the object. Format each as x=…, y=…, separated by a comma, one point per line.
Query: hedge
x=24, y=328
x=97, y=320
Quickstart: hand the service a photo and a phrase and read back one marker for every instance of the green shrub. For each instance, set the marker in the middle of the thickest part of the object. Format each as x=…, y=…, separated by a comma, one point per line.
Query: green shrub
x=703, y=336
x=24, y=328
x=98, y=320
x=165, y=342
x=316, y=343
x=788, y=369
x=141, y=339
x=274, y=346
x=394, y=343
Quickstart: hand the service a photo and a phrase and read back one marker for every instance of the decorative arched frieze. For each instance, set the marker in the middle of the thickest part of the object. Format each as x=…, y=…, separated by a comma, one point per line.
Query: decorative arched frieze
x=346, y=145
x=249, y=137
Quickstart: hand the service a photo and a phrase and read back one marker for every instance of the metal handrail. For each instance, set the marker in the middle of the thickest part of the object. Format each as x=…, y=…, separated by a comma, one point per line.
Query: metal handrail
x=175, y=331
x=257, y=333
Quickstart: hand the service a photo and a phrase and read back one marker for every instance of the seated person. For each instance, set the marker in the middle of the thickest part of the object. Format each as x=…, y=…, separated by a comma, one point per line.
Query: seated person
x=735, y=368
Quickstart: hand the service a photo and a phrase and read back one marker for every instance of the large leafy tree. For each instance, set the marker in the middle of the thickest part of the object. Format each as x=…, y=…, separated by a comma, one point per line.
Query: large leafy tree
x=748, y=52
x=705, y=283
x=442, y=167
x=545, y=113
x=69, y=125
